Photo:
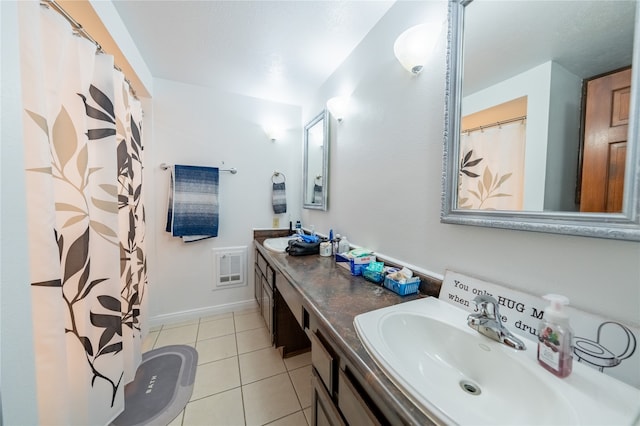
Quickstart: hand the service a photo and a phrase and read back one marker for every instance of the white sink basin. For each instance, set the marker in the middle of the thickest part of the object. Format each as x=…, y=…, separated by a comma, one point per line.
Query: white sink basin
x=277, y=244
x=460, y=376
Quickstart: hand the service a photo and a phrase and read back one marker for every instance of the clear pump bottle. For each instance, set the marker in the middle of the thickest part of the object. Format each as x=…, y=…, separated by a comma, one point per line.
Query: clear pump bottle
x=343, y=245
x=555, y=337
x=335, y=243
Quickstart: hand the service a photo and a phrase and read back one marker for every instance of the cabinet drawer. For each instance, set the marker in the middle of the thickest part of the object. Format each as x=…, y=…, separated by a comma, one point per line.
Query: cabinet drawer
x=352, y=405
x=323, y=361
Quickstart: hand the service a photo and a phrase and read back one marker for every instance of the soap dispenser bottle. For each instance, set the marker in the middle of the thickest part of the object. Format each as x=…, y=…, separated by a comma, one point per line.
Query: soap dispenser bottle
x=555, y=337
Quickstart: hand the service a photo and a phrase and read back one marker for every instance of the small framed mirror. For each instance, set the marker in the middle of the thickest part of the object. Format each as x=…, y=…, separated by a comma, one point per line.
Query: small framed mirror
x=525, y=117
x=316, y=163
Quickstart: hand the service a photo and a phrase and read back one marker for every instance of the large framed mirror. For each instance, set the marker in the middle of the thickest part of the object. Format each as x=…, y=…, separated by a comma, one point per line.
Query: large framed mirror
x=541, y=123
x=316, y=163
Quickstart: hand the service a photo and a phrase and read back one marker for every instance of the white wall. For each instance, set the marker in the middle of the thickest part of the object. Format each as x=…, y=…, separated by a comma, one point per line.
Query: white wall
x=385, y=186
x=17, y=363
x=564, y=136
x=200, y=126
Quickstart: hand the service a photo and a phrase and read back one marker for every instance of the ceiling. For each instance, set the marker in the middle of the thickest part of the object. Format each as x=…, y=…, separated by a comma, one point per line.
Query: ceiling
x=505, y=38
x=276, y=50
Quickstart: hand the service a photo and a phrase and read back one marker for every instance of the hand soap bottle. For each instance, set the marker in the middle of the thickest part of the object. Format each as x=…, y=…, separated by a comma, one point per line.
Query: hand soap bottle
x=555, y=337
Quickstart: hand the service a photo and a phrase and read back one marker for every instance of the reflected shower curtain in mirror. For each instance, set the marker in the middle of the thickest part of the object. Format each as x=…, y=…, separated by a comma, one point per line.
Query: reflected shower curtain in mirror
x=491, y=174
x=83, y=157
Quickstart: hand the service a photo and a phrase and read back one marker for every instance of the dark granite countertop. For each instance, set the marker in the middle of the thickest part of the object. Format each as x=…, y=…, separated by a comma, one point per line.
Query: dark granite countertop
x=335, y=297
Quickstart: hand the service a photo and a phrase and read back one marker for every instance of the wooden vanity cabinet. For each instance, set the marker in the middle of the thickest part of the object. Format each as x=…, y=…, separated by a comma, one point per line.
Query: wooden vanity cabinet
x=307, y=313
x=338, y=397
x=263, y=287
x=281, y=307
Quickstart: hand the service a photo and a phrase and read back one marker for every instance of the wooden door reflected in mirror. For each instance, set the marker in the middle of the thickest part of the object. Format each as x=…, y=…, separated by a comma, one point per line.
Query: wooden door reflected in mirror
x=605, y=142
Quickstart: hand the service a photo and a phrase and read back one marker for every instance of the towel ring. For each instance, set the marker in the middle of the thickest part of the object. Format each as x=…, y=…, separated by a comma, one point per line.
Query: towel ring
x=277, y=174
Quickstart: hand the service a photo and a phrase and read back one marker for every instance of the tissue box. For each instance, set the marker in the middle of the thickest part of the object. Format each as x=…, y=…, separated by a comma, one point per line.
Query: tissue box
x=410, y=287
x=356, y=264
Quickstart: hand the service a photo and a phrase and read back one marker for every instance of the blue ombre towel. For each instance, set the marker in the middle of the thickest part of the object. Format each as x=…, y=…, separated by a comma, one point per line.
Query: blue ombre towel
x=279, y=198
x=317, y=193
x=193, y=203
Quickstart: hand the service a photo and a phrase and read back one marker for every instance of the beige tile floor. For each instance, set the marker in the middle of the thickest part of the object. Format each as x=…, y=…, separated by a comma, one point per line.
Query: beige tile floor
x=241, y=379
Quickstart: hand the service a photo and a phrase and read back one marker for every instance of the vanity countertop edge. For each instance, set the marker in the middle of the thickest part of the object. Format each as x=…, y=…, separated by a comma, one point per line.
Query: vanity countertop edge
x=335, y=297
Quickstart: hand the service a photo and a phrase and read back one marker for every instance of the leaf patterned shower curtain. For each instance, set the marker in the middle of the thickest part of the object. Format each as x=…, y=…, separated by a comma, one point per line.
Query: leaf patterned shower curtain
x=492, y=168
x=83, y=155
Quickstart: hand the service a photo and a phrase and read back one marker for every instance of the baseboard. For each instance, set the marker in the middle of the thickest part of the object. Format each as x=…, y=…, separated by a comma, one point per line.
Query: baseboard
x=192, y=314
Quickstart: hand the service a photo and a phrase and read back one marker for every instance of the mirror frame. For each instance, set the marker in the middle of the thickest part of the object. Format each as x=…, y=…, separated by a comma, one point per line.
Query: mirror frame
x=620, y=226
x=324, y=117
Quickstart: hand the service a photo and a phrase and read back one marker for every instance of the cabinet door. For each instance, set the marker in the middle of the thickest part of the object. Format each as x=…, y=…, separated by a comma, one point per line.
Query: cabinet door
x=267, y=305
x=353, y=407
x=257, y=287
x=323, y=411
x=261, y=262
x=323, y=361
x=270, y=274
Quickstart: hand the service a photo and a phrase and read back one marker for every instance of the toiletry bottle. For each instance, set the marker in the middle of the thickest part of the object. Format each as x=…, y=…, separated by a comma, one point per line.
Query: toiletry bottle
x=331, y=241
x=555, y=337
x=298, y=227
x=343, y=245
x=336, y=244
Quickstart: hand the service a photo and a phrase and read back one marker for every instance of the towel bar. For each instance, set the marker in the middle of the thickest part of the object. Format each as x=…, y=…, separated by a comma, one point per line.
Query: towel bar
x=233, y=170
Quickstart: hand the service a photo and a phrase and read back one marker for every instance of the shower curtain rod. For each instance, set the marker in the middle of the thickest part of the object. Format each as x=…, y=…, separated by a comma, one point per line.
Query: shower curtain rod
x=79, y=30
x=232, y=170
x=497, y=123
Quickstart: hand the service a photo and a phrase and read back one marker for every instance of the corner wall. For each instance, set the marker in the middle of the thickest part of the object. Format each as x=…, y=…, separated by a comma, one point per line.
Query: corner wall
x=200, y=126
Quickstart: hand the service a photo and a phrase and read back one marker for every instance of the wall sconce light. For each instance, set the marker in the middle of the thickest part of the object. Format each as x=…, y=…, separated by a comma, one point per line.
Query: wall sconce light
x=337, y=106
x=273, y=132
x=412, y=47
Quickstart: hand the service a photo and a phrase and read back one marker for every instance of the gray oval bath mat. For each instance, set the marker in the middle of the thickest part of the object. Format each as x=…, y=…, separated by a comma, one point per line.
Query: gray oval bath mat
x=162, y=387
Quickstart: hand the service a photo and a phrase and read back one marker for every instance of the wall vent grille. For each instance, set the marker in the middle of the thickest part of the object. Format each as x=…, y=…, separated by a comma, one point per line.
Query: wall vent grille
x=229, y=267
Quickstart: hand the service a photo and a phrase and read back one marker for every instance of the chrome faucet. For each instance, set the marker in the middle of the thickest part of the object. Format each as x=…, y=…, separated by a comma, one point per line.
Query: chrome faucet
x=488, y=322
